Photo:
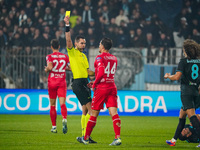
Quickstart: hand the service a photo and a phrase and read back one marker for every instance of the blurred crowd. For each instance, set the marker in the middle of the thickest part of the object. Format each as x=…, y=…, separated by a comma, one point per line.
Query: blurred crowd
x=27, y=27
x=33, y=23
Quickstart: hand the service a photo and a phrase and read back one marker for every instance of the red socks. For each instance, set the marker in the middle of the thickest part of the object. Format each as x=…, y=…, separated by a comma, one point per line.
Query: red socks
x=90, y=125
x=64, y=111
x=53, y=115
x=92, y=122
x=116, y=125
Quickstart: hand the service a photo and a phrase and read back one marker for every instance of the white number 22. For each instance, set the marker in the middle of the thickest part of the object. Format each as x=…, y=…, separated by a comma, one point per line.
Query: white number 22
x=56, y=65
x=108, y=71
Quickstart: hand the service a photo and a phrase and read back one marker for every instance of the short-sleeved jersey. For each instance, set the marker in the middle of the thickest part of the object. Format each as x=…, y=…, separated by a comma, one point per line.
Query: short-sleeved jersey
x=109, y=63
x=78, y=63
x=190, y=78
x=58, y=74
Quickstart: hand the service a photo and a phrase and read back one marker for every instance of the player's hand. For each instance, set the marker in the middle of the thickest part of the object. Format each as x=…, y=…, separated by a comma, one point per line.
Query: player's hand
x=167, y=75
x=94, y=87
x=90, y=84
x=45, y=69
x=66, y=20
x=68, y=68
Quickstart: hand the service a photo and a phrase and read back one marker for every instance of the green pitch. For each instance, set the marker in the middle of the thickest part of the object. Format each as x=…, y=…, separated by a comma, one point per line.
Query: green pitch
x=27, y=132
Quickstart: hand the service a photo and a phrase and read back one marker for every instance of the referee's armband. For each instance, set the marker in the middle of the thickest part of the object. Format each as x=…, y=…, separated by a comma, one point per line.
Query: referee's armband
x=67, y=28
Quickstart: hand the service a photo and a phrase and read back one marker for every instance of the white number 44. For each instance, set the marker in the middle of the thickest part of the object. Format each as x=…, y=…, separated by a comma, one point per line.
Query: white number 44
x=108, y=71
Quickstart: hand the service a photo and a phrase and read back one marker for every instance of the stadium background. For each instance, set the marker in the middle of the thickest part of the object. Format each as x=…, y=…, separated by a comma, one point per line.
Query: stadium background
x=147, y=37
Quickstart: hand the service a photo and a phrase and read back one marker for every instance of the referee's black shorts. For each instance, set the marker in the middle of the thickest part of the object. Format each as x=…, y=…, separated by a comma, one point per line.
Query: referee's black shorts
x=83, y=93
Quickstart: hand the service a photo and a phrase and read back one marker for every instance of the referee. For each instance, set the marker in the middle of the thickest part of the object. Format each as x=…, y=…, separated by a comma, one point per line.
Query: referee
x=80, y=69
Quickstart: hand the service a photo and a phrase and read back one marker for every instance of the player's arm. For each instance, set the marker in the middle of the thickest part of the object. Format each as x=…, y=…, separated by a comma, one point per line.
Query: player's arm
x=176, y=76
x=101, y=70
x=90, y=72
x=68, y=67
x=67, y=33
x=49, y=67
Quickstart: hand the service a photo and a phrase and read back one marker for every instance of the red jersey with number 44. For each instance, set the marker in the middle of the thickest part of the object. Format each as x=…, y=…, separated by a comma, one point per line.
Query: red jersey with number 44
x=105, y=66
x=57, y=76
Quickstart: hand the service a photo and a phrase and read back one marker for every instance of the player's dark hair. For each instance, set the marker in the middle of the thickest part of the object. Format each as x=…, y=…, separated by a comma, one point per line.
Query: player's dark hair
x=107, y=43
x=78, y=37
x=55, y=43
x=182, y=138
x=190, y=139
x=192, y=49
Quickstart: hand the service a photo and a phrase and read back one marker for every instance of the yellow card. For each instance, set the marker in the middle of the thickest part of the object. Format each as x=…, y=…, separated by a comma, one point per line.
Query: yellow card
x=67, y=13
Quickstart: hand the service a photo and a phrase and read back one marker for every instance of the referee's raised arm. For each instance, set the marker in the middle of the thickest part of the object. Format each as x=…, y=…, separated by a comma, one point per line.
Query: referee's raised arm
x=67, y=33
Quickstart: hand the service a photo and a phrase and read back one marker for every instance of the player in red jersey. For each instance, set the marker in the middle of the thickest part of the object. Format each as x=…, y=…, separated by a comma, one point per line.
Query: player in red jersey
x=105, y=90
x=56, y=66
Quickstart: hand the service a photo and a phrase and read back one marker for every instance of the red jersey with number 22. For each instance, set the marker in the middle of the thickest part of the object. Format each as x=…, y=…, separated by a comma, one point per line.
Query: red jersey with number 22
x=105, y=66
x=57, y=76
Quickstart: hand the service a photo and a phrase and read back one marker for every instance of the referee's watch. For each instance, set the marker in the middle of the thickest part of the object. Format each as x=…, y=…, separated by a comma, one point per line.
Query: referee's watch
x=67, y=28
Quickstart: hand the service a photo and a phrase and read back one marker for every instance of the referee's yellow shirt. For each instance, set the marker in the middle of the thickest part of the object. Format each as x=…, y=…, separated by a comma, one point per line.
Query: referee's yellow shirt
x=78, y=63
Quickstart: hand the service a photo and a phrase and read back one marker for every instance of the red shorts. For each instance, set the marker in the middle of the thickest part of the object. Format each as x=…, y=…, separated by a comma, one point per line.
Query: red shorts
x=104, y=95
x=55, y=91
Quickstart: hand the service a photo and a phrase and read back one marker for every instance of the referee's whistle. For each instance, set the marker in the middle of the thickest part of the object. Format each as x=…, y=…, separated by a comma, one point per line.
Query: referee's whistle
x=67, y=13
